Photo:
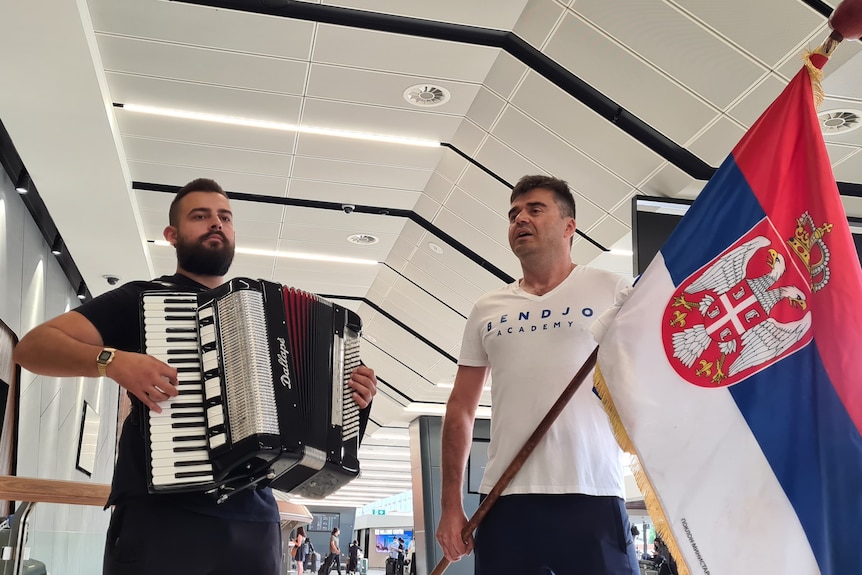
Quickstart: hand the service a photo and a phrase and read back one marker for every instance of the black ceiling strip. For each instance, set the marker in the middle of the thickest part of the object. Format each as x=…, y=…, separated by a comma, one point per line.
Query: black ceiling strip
x=820, y=7
x=477, y=164
x=409, y=214
x=396, y=321
x=13, y=165
x=393, y=388
x=424, y=290
x=510, y=186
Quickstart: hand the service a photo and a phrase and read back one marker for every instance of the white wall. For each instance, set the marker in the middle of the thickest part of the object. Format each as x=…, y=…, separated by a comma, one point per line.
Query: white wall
x=68, y=539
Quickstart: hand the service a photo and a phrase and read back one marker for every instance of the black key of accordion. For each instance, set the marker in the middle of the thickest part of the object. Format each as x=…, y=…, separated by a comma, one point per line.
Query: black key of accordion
x=180, y=318
x=181, y=330
x=183, y=424
x=188, y=474
x=188, y=392
x=183, y=405
x=179, y=438
x=188, y=369
x=190, y=463
x=185, y=415
x=179, y=360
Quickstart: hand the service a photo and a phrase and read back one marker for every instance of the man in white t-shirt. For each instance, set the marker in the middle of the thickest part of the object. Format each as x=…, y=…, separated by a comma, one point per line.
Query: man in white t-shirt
x=531, y=337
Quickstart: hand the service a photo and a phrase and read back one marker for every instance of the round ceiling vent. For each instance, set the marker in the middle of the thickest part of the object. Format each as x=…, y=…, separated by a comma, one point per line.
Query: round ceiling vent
x=839, y=121
x=426, y=95
x=363, y=239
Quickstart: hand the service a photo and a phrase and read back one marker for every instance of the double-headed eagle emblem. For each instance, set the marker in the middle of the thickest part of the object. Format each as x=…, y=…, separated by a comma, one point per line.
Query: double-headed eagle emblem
x=723, y=316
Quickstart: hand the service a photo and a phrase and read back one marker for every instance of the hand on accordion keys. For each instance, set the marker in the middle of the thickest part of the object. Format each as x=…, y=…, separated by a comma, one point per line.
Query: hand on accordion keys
x=364, y=384
x=147, y=378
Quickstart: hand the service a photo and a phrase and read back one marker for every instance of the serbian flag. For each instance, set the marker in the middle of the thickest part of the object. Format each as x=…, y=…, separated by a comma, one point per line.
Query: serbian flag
x=734, y=369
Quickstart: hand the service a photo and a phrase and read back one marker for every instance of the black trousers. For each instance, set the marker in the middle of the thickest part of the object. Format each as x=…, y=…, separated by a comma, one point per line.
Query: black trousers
x=144, y=539
x=556, y=534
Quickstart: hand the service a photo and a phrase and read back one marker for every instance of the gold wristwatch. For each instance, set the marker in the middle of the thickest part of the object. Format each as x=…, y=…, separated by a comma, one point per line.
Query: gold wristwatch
x=105, y=357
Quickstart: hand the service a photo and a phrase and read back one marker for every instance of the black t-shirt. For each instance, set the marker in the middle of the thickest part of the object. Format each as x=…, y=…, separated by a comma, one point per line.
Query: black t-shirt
x=116, y=316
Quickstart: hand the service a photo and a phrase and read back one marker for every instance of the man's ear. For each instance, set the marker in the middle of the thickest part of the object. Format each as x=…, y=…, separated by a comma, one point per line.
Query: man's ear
x=571, y=226
x=170, y=234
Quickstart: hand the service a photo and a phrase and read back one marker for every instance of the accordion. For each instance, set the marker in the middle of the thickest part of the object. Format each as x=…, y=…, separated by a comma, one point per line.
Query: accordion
x=263, y=395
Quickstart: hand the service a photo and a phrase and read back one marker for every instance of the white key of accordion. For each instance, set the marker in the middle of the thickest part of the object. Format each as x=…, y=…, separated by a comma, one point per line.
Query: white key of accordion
x=205, y=312
x=217, y=440
x=166, y=443
x=164, y=346
x=168, y=481
x=169, y=320
x=190, y=377
x=156, y=306
x=170, y=421
x=171, y=459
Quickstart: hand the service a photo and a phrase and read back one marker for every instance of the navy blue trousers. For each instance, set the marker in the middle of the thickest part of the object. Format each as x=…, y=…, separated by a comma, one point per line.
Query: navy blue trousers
x=556, y=534
x=164, y=540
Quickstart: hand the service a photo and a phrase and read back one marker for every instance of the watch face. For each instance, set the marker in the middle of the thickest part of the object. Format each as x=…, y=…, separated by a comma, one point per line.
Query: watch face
x=104, y=355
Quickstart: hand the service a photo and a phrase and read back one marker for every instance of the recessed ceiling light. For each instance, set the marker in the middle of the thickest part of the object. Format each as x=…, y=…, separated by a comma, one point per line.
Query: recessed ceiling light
x=839, y=121
x=363, y=239
x=435, y=248
x=426, y=95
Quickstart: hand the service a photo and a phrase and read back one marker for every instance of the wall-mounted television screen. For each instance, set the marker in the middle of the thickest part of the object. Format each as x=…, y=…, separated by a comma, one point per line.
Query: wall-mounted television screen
x=385, y=537
x=654, y=219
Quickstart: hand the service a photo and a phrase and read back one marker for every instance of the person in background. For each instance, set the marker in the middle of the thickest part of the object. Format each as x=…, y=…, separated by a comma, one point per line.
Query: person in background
x=334, y=556
x=102, y=338
x=299, y=553
x=531, y=337
x=353, y=557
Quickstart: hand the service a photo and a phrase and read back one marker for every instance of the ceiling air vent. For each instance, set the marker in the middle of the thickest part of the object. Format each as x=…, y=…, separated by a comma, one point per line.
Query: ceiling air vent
x=363, y=239
x=839, y=121
x=426, y=95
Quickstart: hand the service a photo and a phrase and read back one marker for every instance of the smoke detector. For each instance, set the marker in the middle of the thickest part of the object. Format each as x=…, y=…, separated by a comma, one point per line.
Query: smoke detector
x=426, y=95
x=363, y=239
x=839, y=121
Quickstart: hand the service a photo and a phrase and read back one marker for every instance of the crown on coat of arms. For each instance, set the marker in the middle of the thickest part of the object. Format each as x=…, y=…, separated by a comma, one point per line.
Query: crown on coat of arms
x=807, y=243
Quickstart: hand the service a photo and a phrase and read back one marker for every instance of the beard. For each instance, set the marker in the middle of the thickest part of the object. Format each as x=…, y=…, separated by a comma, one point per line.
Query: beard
x=198, y=258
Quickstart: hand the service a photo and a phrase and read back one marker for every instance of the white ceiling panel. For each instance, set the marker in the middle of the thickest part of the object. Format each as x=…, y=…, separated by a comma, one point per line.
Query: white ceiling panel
x=413, y=306
x=678, y=45
x=219, y=100
x=455, y=269
x=438, y=187
x=741, y=21
x=559, y=158
x=840, y=152
x=382, y=89
x=206, y=133
x=360, y=173
x=850, y=170
x=489, y=220
x=668, y=181
x=714, y=145
x=426, y=207
x=317, y=146
x=417, y=124
x=487, y=190
x=206, y=157
x=231, y=181
x=203, y=26
x=451, y=166
x=504, y=161
x=149, y=58
x=538, y=19
x=345, y=193
x=402, y=54
x=505, y=74
x=469, y=137
x=483, y=244
x=486, y=108
x=842, y=72
x=755, y=101
x=584, y=129
x=628, y=80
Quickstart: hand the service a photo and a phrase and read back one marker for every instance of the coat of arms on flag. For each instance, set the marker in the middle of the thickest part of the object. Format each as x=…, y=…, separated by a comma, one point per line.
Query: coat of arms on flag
x=742, y=311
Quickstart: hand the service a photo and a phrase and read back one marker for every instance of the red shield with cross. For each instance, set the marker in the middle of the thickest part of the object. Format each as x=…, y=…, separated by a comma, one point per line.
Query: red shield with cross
x=738, y=314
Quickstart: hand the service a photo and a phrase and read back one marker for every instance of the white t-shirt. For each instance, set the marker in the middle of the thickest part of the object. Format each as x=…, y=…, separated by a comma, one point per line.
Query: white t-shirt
x=535, y=345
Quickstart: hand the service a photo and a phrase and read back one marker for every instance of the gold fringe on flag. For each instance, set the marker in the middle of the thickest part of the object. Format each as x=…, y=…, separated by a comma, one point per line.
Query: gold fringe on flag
x=653, y=505
x=816, y=74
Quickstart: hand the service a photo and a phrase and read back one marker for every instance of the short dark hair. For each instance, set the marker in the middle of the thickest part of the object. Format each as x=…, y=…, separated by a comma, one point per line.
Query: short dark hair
x=563, y=196
x=198, y=185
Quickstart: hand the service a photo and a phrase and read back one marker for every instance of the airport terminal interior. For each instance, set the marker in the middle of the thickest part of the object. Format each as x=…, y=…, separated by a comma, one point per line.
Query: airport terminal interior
x=369, y=148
